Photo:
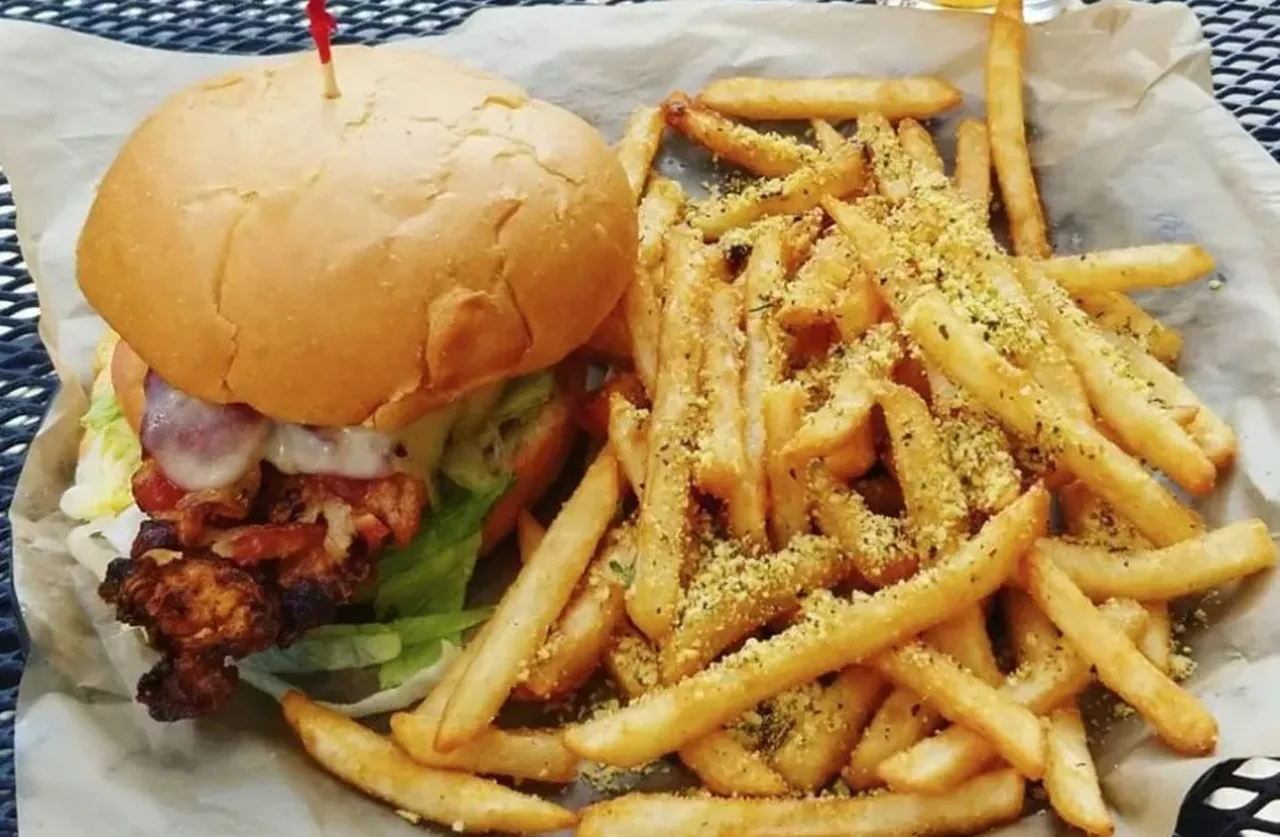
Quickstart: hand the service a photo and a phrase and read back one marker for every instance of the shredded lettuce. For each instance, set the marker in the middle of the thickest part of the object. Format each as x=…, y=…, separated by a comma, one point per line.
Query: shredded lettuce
x=476, y=457
x=109, y=455
x=366, y=645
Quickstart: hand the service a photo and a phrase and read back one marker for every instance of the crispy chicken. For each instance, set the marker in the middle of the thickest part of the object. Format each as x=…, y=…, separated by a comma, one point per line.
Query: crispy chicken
x=218, y=575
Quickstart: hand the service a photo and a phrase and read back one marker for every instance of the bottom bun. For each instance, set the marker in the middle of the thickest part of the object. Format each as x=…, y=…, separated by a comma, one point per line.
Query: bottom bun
x=538, y=463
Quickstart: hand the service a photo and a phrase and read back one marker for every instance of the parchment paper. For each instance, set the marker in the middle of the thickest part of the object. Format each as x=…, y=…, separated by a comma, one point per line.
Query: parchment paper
x=1131, y=148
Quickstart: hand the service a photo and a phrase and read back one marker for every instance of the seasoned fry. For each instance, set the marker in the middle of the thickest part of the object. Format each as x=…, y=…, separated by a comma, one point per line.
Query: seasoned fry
x=981, y=804
x=1070, y=777
x=585, y=630
x=1006, y=53
x=828, y=138
x=639, y=145
x=943, y=761
x=936, y=508
x=855, y=457
x=664, y=528
x=878, y=546
x=853, y=394
x=718, y=759
x=1130, y=268
x=976, y=447
x=964, y=699
x=529, y=533
x=1120, y=315
x=738, y=592
x=954, y=345
x=1181, y=720
x=831, y=289
x=783, y=413
x=366, y=760
x=835, y=99
x=1119, y=394
x=722, y=467
x=818, y=745
x=902, y=720
x=917, y=142
x=1192, y=566
x=768, y=155
x=1031, y=634
x=835, y=175
x=1156, y=643
x=831, y=636
x=973, y=163
x=659, y=211
x=537, y=755
x=765, y=358
x=1214, y=436
x=964, y=639
x=593, y=414
x=629, y=439
x=531, y=604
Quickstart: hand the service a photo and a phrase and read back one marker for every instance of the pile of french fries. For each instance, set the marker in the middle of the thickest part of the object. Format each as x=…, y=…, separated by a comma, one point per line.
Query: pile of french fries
x=814, y=550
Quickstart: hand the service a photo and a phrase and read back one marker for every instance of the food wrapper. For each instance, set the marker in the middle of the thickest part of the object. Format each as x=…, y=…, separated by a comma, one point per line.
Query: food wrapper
x=1130, y=148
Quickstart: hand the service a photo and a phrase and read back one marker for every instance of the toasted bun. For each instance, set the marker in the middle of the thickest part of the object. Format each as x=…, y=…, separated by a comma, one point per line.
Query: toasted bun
x=361, y=259
x=128, y=374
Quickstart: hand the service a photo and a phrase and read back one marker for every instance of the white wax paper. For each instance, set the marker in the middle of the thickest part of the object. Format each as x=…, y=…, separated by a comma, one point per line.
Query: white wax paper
x=1131, y=148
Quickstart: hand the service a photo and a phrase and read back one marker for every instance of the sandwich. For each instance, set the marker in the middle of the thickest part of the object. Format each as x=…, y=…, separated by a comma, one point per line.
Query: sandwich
x=340, y=360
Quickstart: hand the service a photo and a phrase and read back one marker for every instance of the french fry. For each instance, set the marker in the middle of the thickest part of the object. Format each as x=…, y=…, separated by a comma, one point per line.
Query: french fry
x=723, y=764
x=973, y=163
x=1120, y=315
x=964, y=699
x=1180, y=720
x=1156, y=643
x=366, y=760
x=1006, y=118
x=941, y=762
x=1192, y=566
x=1130, y=268
x=878, y=545
x=722, y=468
x=818, y=745
x=593, y=414
x=1213, y=435
x=936, y=508
x=836, y=175
x=828, y=138
x=853, y=394
x=768, y=155
x=902, y=720
x=531, y=604
x=835, y=99
x=629, y=439
x=529, y=533
x=977, y=448
x=536, y=755
x=831, y=289
x=1031, y=634
x=831, y=636
x=664, y=527
x=917, y=142
x=965, y=640
x=981, y=804
x=585, y=630
x=783, y=413
x=1070, y=777
x=639, y=145
x=764, y=359
x=659, y=211
x=1092, y=520
x=1119, y=394
x=1025, y=407
x=856, y=456
x=738, y=591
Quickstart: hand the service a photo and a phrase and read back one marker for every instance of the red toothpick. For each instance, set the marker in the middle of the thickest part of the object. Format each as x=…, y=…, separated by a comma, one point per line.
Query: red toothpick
x=321, y=24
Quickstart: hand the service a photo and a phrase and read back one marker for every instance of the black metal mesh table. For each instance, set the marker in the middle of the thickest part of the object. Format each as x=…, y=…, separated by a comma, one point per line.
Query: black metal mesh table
x=1245, y=37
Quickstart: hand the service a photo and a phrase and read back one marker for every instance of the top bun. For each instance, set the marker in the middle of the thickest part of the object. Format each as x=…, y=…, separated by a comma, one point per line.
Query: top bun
x=358, y=260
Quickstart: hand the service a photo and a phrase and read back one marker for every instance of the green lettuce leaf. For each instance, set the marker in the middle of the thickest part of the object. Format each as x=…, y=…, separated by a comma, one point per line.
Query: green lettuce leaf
x=477, y=455
x=416, y=630
x=430, y=575
x=357, y=646
x=109, y=456
x=412, y=659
